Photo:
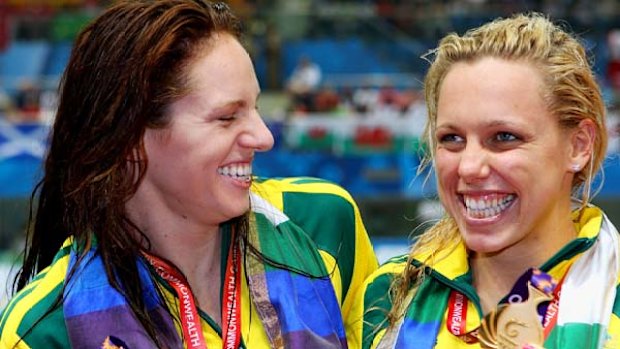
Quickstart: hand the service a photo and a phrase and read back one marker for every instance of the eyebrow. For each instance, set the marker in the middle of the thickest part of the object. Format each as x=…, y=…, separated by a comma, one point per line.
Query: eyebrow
x=230, y=104
x=494, y=123
x=237, y=102
x=491, y=123
x=447, y=126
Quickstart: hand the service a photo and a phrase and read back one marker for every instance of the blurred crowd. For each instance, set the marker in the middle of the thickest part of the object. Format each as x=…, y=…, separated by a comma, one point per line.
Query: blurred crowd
x=309, y=95
x=28, y=104
x=276, y=24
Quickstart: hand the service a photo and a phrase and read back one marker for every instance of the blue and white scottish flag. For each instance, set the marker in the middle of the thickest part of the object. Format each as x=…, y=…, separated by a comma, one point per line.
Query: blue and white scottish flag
x=22, y=148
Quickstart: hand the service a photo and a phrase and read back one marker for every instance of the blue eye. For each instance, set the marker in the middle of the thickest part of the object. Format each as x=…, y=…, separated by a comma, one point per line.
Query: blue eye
x=450, y=138
x=505, y=137
x=450, y=142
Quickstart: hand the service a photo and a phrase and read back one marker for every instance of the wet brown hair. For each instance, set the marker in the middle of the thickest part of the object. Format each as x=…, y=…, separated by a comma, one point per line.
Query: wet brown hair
x=125, y=68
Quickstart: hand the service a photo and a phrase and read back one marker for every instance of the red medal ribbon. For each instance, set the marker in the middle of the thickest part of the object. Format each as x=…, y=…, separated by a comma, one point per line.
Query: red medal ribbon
x=231, y=309
x=457, y=318
x=190, y=319
x=551, y=316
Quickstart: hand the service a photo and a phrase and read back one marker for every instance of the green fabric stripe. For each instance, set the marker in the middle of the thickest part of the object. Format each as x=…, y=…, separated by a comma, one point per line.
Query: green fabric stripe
x=7, y=311
x=616, y=309
x=11, y=305
x=429, y=303
x=21, y=295
x=335, y=235
x=291, y=248
x=397, y=260
x=258, y=286
x=569, y=336
x=377, y=304
x=462, y=283
x=65, y=251
x=51, y=330
x=567, y=252
x=261, y=179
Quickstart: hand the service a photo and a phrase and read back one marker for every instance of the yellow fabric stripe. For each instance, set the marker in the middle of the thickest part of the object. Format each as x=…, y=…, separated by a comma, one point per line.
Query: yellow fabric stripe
x=354, y=321
x=54, y=277
x=25, y=289
x=365, y=260
x=272, y=189
x=559, y=270
x=271, y=192
x=590, y=223
x=377, y=338
x=444, y=261
x=334, y=273
x=614, y=333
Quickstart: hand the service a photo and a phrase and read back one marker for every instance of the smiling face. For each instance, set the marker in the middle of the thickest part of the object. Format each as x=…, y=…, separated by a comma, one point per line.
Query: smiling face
x=200, y=165
x=503, y=163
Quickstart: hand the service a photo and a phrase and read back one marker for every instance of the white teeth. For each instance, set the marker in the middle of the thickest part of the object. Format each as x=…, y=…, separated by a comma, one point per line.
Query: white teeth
x=485, y=208
x=239, y=172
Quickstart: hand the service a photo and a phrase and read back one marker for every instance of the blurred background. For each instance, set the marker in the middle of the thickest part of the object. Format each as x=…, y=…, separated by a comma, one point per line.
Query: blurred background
x=341, y=85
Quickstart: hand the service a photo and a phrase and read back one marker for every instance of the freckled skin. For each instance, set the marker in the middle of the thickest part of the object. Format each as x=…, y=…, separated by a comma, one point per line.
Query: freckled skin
x=216, y=125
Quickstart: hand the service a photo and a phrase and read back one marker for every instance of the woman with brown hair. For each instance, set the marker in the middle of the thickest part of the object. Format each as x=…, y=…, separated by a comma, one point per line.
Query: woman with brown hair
x=151, y=230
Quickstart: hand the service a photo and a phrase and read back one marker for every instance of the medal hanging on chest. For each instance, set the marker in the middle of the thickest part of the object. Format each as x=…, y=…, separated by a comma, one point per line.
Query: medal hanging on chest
x=516, y=323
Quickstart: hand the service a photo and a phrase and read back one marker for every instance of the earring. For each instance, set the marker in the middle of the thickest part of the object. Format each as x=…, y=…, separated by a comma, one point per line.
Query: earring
x=575, y=167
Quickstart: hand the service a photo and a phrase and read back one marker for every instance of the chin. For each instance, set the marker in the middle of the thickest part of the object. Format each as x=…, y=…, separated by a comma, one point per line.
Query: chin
x=490, y=248
x=241, y=208
x=482, y=245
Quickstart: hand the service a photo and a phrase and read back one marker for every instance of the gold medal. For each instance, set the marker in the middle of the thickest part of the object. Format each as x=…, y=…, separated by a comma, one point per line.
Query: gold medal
x=511, y=326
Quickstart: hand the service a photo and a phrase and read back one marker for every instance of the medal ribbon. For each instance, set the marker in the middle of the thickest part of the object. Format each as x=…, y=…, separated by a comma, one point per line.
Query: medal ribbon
x=457, y=304
x=457, y=318
x=190, y=320
x=231, y=307
x=551, y=313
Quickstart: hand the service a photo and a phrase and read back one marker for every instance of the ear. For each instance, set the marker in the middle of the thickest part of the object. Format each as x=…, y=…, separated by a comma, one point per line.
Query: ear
x=582, y=144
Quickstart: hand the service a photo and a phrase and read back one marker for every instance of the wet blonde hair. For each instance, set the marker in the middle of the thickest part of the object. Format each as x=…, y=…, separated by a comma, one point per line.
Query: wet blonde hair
x=571, y=94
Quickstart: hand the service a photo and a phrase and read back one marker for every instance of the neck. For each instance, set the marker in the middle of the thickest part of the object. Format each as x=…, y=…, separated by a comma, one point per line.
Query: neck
x=493, y=278
x=193, y=248
x=199, y=259
x=194, y=251
x=496, y=273
x=190, y=244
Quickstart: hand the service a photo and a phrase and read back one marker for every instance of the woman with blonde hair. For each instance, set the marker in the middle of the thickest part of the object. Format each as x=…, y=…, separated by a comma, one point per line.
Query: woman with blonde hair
x=516, y=133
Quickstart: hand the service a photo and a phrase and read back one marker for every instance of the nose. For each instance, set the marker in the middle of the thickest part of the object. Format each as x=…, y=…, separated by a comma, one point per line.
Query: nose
x=473, y=163
x=258, y=136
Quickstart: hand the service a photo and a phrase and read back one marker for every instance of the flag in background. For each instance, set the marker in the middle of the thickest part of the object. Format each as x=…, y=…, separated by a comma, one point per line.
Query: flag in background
x=22, y=148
